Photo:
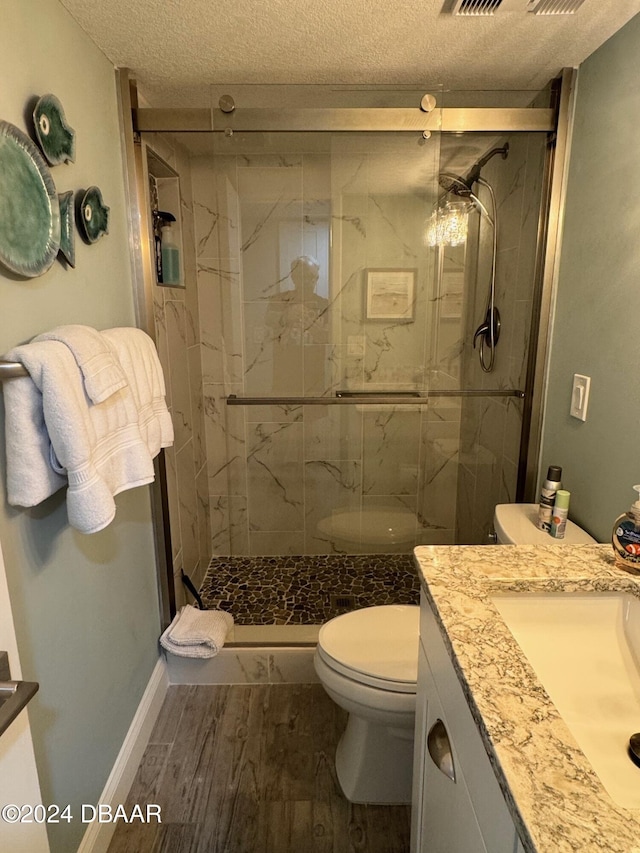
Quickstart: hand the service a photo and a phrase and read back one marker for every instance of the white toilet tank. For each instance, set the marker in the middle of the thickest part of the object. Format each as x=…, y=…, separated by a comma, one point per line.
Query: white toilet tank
x=515, y=524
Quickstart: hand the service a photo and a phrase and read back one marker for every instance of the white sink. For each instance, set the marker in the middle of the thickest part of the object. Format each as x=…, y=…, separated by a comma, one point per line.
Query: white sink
x=585, y=650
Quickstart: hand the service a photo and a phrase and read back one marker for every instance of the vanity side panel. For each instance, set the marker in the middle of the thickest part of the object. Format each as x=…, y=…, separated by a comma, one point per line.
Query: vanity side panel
x=448, y=820
x=491, y=810
x=420, y=754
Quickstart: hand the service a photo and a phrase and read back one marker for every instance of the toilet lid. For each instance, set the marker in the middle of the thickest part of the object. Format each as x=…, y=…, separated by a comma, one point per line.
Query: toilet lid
x=374, y=645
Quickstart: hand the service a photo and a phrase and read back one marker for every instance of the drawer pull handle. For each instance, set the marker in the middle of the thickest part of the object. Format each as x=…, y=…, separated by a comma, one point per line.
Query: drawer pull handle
x=439, y=748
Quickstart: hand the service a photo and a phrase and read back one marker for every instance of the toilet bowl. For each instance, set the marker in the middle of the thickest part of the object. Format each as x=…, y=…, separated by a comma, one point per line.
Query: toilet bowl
x=516, y=524
x=367, y=661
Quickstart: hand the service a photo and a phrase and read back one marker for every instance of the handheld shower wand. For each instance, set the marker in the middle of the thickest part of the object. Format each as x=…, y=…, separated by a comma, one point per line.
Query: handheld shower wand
x=489, y=330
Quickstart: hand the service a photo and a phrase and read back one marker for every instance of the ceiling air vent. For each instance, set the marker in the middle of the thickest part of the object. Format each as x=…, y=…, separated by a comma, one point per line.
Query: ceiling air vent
x=475, y=7
x=478, y=8
x=554, y=7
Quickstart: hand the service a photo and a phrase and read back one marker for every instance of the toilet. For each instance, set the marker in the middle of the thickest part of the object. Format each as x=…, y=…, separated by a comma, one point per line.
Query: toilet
x=367, y=661
x=516, y=524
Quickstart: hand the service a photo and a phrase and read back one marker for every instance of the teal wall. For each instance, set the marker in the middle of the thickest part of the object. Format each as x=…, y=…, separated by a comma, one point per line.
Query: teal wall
x=598, y=301
x=85, y=607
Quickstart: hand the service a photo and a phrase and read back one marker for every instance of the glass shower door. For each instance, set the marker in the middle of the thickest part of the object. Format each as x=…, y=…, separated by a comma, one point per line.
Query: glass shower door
x=315, y=282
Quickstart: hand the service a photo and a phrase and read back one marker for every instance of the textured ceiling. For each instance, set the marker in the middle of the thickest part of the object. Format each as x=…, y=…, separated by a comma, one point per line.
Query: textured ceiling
x=177, y=48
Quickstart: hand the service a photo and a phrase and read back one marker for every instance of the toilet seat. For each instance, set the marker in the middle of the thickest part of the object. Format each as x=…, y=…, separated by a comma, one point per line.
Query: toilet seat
x=376, y=646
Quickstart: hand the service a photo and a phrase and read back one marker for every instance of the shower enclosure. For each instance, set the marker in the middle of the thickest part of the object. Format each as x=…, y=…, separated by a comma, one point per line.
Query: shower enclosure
x=341, y=406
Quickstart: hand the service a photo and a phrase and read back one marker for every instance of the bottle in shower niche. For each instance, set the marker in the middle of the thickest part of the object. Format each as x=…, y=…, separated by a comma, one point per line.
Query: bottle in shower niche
x=551, y=485
x=170, y=255
x=560, y=514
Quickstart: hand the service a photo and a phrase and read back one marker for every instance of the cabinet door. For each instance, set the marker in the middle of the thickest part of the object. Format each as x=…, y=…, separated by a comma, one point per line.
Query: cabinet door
x=448, y=821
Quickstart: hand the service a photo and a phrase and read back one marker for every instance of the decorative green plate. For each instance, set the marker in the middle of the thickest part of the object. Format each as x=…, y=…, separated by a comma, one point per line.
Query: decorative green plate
x=67, y=234
x=56, y=138
x=93, y=215
x=29, y=208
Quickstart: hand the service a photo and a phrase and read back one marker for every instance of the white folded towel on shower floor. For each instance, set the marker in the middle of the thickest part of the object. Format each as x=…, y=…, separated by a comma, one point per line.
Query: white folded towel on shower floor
x=197, y=633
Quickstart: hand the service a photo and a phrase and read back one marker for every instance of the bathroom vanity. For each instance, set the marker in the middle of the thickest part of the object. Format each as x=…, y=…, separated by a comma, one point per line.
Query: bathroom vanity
x=484, y=715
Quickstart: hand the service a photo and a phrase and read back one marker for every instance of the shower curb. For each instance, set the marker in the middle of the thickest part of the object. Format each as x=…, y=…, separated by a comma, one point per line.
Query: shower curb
x=237, y=665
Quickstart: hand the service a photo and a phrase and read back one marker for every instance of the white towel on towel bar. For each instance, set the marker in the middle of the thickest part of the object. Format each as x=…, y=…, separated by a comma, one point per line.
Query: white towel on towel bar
x=55, y=435
x=136, y=353
x=31, y=478
x=102, y=373
x=99, y=445
x=197, y=633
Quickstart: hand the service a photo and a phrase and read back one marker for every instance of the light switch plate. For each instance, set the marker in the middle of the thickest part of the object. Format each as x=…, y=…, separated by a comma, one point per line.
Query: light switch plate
x=580, y=396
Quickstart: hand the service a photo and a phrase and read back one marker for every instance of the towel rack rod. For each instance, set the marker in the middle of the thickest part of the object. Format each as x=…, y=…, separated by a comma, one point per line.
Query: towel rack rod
x=371, y=399
x=11, y=370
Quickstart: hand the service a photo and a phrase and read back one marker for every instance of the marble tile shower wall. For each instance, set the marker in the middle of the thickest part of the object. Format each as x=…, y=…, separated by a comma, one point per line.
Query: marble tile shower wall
x=491, y=427
x=276, y=473
x=178, y=340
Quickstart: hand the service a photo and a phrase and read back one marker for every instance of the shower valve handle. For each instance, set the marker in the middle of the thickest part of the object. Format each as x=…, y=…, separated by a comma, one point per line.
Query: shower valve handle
x=481, y=332
x=489, y=331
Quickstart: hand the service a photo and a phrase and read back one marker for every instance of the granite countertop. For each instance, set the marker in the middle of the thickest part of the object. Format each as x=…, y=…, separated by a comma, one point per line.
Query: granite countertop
x=557, y=801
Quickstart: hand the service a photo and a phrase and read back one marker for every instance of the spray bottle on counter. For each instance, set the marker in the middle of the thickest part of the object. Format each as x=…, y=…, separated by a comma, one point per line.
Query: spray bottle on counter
x=551, y=485
x=560, y=514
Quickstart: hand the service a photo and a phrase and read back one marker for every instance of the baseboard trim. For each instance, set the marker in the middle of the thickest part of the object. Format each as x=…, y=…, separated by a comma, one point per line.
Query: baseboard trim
x=98, y=835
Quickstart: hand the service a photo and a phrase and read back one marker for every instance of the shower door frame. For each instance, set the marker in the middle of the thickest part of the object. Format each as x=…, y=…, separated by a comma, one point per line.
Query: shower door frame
x=555, y=121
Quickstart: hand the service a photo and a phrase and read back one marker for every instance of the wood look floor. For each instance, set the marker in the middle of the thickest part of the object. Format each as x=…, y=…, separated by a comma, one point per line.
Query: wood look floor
x=250, y=769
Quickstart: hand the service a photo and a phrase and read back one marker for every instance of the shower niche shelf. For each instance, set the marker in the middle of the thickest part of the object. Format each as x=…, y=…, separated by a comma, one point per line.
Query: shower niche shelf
x=164, y=195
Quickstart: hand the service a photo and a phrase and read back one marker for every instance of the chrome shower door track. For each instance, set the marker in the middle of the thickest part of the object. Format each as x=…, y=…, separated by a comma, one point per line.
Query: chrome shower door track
x=340, y=119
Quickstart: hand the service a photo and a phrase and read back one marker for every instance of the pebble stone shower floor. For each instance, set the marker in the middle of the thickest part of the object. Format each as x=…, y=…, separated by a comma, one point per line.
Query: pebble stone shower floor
x=307, y=590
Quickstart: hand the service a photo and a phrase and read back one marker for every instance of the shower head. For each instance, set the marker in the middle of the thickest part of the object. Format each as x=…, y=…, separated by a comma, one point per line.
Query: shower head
x=459, y=186
x=454, y=184
x=474, y=174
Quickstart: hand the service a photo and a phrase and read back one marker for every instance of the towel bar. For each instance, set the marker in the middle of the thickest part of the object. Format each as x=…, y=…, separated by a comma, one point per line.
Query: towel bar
x=386, y=398
x=11, y=370
x=14, y=695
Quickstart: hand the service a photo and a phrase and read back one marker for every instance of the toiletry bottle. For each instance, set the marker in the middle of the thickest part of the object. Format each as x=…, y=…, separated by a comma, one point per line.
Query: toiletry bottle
x=157, y=244
x=560, y=513
x=170, y=255
x=548, y=496
x=626, y=537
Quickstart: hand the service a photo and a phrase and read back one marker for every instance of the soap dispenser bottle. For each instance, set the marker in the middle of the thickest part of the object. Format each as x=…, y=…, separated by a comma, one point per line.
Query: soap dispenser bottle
x=170, y=254
x=626, y=538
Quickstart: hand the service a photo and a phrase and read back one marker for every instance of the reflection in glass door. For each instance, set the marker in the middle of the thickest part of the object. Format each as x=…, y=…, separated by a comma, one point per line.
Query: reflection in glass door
x=316, y=279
